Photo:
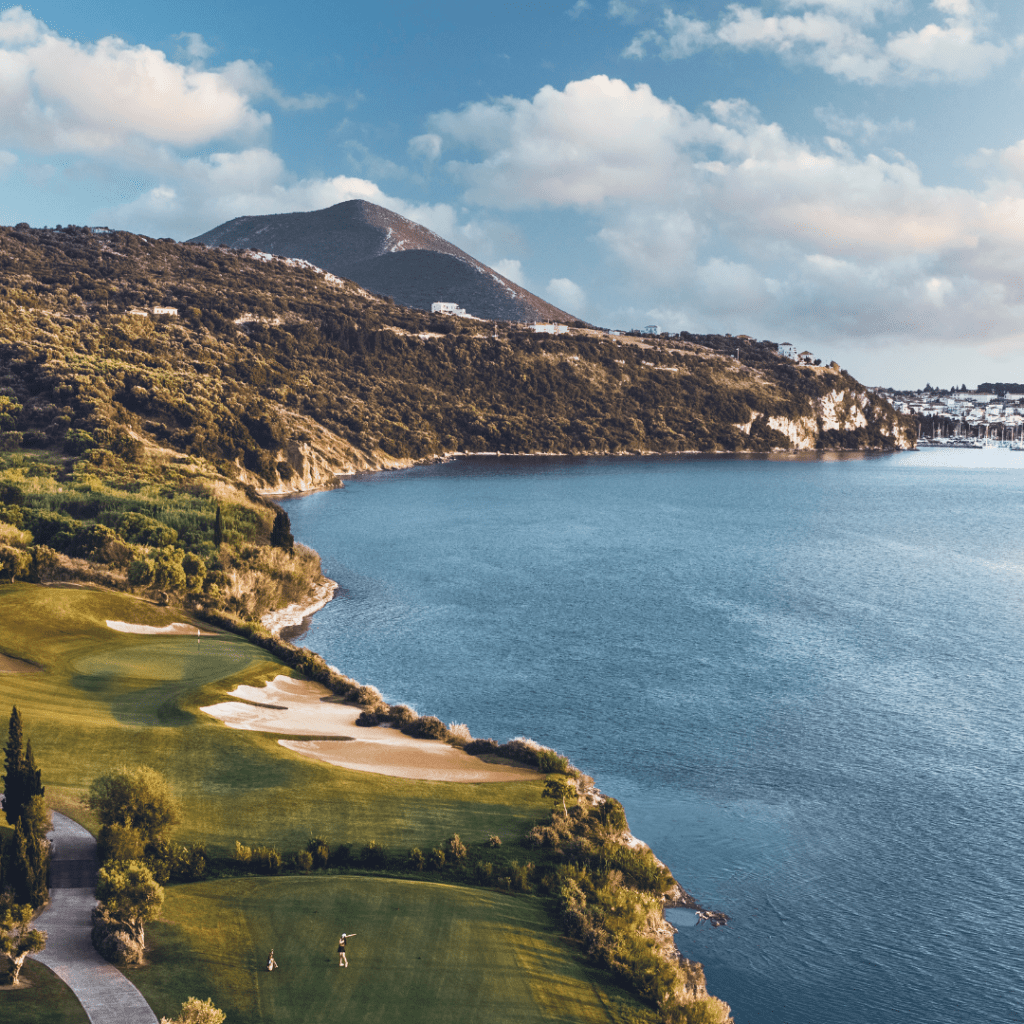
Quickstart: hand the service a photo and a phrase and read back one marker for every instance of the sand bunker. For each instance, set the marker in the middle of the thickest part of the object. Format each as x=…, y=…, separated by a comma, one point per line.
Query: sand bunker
x=15, y=665
x=299, y=708
x=174, y=629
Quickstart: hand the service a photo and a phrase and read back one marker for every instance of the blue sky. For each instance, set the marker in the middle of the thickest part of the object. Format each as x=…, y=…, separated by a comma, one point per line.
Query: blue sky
x=844, y=174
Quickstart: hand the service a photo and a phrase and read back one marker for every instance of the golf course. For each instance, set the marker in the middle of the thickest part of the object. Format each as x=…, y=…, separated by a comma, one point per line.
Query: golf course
x=426, y=948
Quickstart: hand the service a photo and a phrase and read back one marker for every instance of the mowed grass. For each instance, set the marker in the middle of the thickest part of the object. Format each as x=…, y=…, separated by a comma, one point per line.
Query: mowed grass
x=105, y=698
x=424, y=953
x=45, y=1000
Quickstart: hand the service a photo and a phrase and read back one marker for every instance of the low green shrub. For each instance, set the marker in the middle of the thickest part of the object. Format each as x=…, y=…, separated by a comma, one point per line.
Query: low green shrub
x=417, y=862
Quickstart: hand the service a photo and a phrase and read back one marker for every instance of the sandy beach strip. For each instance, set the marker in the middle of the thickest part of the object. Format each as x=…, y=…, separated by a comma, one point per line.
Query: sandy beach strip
x=295, y=707
x=174, y=629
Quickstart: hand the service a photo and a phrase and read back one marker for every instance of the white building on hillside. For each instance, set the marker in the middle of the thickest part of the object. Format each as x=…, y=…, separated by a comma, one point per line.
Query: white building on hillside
x=649, y=329
x=787, y=350
x=449, y=308
x=165, y=311
x=549, y=328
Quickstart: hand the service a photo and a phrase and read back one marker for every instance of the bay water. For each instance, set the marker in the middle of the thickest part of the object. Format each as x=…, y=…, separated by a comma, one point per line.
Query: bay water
x=802, y=676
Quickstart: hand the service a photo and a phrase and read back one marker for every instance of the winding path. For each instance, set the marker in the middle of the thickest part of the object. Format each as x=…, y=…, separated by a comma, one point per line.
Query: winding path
x=106, y=995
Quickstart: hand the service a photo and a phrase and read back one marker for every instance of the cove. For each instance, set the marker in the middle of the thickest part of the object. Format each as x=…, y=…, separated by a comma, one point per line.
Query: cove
x=801, y=676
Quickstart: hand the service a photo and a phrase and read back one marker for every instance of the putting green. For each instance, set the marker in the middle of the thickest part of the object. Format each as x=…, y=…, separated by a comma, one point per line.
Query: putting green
x=422, y=954
x=104, y=698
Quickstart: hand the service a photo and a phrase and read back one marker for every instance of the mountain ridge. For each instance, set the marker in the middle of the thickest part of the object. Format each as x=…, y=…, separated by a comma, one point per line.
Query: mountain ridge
x=390, y=255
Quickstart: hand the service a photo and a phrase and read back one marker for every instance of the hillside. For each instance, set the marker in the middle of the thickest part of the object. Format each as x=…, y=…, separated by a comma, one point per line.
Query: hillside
x=389, y=255
x=282, y=376
x=124, y=432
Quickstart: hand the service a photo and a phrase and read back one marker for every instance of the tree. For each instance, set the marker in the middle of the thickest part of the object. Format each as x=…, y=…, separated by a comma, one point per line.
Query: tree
x=218, y=529
x=130, y=894
x=137, y=798
x=14, y=759
x=195, y=1011
x=167, y=571
x=25, y=867
x=281, y=533
x=18, y=940
x=559, y=789
x=195, y=571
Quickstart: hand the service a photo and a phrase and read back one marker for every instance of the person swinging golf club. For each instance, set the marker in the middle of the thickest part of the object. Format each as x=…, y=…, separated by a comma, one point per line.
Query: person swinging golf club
x=271, y=962
x=342, y=958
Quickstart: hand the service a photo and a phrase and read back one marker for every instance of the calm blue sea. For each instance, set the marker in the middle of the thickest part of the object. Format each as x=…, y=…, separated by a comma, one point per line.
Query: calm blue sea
x=803, y=677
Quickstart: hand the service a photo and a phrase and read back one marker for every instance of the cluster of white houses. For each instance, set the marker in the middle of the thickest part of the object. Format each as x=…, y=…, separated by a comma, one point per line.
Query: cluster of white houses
x=153, y=311
x=973, y=412
x=454, y=309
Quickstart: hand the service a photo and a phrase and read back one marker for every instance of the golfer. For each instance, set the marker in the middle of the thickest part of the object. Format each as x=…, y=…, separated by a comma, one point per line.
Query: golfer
x=271, y=963
x=342, y=959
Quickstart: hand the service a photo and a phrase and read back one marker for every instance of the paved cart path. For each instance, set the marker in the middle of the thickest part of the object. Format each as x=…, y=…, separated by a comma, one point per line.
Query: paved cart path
x=106, y=995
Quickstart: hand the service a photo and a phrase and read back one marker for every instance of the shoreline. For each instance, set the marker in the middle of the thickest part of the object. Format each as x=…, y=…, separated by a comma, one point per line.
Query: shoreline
x=294, y=615
x=337, y=481
x=677, y=897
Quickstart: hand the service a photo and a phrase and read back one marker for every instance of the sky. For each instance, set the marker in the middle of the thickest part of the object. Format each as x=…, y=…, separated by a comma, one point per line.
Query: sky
x=845, y=175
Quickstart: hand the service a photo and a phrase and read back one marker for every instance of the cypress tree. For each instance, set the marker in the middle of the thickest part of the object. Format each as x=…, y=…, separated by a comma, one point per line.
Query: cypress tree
x=14, y=764
x=32, y=777
x=19, y=873
x=281, y=534
x=218, y=529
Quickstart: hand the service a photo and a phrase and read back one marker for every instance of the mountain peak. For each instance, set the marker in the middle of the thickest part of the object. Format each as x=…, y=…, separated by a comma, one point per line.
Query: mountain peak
x=386, y=253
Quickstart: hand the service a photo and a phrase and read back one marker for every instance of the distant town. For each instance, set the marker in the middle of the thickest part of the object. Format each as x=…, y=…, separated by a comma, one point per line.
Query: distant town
x=991, y=412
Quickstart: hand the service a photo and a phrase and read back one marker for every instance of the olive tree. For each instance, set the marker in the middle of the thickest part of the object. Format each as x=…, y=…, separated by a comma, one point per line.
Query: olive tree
x=130, y=895
x=17, y=939
x=134, y=798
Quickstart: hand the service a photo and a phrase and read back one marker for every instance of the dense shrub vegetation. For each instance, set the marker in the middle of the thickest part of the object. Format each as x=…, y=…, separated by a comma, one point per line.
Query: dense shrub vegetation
x=265, y=353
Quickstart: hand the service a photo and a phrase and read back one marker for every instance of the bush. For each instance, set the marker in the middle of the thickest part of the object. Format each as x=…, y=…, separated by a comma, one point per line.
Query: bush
x=483, y=872
x=243, y=854
x=427, y=728
x=478, y=747
x=548, y=761
x=374, y=855
x=194, y=1011
x=372, y=718
x=319, y=851
x=458, y=734
x=436, y=859
x=266, y=860
x=416, y=859
x=402, y=714
x=304, y=860
x=341, y=855
x=494, y=840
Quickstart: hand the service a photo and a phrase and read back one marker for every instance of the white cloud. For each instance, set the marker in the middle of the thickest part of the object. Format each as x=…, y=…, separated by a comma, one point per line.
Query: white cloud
x=512, y=269
x=860, y=126
x=61, y=96
x=427, y=147
x=842, y=38
x=744, y=220
x=566, y=295
x=197, y=193
x=194, y=45
x=578, y=8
